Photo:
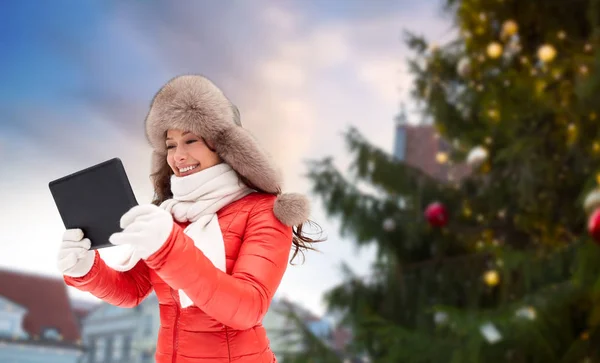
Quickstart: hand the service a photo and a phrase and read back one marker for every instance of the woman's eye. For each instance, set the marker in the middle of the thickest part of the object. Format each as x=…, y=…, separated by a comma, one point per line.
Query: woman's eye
x=170, y=146
x=190, y=141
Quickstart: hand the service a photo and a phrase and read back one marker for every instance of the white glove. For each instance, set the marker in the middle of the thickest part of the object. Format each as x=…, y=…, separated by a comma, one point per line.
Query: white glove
x=75, y=259
x=146, y=228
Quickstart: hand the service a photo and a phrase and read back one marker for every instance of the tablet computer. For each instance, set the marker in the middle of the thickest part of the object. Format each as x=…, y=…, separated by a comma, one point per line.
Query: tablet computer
x=94, y=199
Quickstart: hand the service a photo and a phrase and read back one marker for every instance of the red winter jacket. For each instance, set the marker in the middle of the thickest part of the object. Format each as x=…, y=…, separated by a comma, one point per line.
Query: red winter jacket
x=225, y=322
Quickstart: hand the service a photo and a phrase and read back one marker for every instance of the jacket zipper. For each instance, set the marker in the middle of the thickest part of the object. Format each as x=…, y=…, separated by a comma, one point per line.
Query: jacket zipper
x=227, y=337
x=175, y=329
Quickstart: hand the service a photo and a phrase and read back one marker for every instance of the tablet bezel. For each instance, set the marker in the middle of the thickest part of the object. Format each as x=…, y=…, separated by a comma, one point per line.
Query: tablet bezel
x=113, y=165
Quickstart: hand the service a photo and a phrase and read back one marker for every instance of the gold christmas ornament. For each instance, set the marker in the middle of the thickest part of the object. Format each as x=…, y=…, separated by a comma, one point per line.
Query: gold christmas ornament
x=467, y=211
x=509, y=28
x=441, y=157
x=546, y=53
x=494, y=114
x=494, y=50
x=491, y=278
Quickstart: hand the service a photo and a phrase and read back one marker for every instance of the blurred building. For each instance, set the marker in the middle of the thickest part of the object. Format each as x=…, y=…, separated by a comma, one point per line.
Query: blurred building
x=421, y=147
x=286, y=337
x=37, y=323
x=282, y=330
x=81, y=308
x=121, y=335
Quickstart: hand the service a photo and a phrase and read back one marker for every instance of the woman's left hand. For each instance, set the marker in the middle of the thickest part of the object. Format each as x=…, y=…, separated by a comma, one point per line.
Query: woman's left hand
x=145, y=227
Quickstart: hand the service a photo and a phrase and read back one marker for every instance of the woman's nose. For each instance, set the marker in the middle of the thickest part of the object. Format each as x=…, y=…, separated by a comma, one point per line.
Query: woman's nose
x=180, y=154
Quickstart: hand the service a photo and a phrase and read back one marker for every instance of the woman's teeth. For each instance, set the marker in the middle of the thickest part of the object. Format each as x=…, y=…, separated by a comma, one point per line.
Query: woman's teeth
x=187, y=168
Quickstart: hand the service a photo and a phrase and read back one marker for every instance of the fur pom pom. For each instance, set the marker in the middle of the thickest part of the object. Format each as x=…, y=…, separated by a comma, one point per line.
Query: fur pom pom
x=292, y=209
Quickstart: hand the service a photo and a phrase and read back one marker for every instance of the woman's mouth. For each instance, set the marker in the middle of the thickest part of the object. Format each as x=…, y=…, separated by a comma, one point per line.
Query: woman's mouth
x=187, y=169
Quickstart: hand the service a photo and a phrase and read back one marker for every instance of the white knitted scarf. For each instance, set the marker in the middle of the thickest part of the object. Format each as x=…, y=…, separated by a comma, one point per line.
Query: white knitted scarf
x=197, y=198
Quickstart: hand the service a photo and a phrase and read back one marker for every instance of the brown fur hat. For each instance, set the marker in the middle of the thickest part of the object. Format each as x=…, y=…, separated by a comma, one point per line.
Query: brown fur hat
x=193, y=103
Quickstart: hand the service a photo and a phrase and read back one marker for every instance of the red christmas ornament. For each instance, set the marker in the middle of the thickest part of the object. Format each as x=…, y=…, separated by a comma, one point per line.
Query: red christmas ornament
x=594, y=225
x=436, y=214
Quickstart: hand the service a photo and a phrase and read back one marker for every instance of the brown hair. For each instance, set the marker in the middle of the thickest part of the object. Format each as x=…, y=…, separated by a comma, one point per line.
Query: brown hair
x=161, y=180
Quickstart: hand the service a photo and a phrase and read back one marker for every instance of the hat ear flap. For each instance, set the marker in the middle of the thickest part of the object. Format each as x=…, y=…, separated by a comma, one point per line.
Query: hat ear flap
x=238, y=148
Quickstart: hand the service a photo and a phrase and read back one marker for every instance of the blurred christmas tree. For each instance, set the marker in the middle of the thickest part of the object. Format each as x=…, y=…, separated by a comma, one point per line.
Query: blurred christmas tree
x=496, y=266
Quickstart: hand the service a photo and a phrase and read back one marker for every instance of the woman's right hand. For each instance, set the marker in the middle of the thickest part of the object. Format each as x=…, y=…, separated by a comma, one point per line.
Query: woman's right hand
x=75, y=259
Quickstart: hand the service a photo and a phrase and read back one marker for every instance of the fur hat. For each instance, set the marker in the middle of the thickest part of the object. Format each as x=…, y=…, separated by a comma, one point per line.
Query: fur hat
x=193, y=103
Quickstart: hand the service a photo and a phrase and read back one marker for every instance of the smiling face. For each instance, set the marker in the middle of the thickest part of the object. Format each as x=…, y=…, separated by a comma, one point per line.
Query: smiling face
x=188, y=154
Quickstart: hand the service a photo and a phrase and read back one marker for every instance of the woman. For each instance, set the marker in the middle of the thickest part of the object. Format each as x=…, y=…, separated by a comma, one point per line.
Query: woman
x=215, y=243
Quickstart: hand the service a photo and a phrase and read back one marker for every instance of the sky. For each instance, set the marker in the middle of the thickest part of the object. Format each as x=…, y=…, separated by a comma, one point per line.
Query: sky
x=78, y=78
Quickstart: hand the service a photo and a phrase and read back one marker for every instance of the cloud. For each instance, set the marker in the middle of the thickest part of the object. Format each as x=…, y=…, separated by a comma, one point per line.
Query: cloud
x=298, y=77
x=278, y=19
x=280, y=73
x=278, y=82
